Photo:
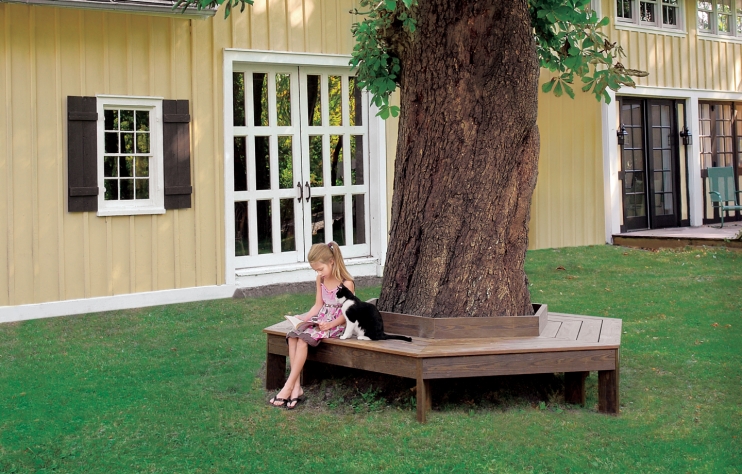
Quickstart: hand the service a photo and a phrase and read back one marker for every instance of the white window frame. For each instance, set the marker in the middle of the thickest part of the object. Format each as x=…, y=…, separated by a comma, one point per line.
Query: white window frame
x=736, y=14
x=156, y=202
x=659, y=24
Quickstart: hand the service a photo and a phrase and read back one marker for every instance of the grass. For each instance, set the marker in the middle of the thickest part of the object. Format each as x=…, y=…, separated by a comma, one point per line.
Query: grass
x=179, y=388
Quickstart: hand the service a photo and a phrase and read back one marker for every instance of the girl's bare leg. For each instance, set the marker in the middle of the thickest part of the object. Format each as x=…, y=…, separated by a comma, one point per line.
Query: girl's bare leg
x=297, y=357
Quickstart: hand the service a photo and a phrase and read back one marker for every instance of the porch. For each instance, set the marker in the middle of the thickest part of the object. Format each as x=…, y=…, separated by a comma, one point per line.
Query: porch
x=674, y=237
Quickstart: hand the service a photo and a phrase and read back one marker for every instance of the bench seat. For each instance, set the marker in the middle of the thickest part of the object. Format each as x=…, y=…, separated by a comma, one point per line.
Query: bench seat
x=571, y=344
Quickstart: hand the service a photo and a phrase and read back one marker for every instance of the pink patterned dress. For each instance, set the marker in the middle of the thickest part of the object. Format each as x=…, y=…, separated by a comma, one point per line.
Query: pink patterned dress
x=330, y=311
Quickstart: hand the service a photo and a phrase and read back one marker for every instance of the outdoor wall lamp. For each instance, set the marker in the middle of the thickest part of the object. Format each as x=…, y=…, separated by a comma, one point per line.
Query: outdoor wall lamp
x=621, y=134
x=686, y=136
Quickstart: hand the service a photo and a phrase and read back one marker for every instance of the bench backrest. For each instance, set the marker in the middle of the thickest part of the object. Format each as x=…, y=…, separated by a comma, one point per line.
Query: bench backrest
x=721, y=180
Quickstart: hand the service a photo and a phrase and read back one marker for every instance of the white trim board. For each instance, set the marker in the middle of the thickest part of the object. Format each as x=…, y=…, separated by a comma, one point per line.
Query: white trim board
x=111, y=303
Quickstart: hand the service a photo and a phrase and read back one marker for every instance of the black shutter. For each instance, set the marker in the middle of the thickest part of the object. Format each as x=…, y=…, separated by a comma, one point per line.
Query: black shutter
x=177, y=149
x=82, y=159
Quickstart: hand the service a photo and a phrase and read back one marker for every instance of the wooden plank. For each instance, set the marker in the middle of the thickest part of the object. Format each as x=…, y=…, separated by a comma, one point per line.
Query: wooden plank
x=569, y=330
x=408, y=325
x=362, y=358
x=513, y=364
x=551, y=329
x=608, y=401
x=610, y=333
x=590, y=331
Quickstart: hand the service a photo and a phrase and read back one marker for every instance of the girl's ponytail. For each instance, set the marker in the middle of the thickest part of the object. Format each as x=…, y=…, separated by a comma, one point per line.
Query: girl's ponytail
x=339, y=271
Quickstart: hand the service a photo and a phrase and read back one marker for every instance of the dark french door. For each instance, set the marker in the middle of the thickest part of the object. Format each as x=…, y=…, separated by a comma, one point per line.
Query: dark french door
x=649, y=164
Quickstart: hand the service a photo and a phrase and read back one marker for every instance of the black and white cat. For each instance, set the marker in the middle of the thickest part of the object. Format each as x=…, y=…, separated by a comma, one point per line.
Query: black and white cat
x=362, y=318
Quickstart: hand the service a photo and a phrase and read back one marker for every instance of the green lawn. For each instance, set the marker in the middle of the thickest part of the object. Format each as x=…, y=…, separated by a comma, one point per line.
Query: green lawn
x=179, y=388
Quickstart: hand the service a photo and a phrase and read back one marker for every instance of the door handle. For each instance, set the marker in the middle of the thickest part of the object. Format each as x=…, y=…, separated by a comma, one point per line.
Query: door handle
x=301, y=191
x=309, y=191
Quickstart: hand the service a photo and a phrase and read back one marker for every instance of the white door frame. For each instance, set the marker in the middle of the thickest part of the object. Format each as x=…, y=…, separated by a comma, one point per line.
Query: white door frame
x=301, y=271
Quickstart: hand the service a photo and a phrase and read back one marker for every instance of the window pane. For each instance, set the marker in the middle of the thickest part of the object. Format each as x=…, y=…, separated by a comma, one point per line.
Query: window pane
x=283, y=99
x=724, y=23
x=285, y=163
x=262, y=163
x=315, y=161
x=314, y=101
x=647, y=12
x=111, y=189
x=265, y=227
x=356, y=163
x=240, y=164
x=127, y=143
x=111, y=119
x=318, y=220
x=126, y=166
x=110, y=170
x=335, y=85
x=338, y=219
x=142, y=142
x=142, y=117
x=670, y=11
x=355, y=104
x=127, y=189
x=241, y=243
x=142, y=168
x=260, y=99
x=288, y=239
x=142, y=191
x=238, y=99
x=623, y=9
x=112, y=142
x=127, y=120
x=359, y=219
x=336, y=160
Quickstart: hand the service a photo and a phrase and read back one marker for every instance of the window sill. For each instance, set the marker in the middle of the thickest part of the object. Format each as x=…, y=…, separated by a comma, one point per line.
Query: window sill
x=723, y=38
x=650, y=29
x=131, y=212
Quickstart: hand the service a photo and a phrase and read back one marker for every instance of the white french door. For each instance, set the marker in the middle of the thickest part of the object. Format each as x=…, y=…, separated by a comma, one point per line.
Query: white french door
x=300, y=161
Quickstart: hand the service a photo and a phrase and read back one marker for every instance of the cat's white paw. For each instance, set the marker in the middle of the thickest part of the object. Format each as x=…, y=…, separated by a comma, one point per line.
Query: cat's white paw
x=364, y=338
x=344, y=337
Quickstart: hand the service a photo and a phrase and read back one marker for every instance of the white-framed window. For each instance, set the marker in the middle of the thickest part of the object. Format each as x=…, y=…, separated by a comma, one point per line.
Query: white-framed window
x=130, y=156
x=720, y=17
x=665, y=14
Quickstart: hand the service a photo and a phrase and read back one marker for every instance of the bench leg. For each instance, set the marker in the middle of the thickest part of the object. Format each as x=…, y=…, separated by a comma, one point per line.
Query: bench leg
x=424, y=399
x=574, y=387
x=275, y=371
x=608, y=391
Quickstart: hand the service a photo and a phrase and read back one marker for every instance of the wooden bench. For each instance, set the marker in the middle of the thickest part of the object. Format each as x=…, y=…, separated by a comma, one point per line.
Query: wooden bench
x=565, y=343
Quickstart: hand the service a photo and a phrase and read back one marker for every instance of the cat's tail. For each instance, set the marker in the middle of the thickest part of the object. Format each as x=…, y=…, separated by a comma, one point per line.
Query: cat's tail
x=401, y=338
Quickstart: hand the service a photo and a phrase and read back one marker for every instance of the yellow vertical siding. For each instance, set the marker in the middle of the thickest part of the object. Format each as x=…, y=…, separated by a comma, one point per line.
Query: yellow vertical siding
x=50, y=53
x=687, y=61
x=567, y=207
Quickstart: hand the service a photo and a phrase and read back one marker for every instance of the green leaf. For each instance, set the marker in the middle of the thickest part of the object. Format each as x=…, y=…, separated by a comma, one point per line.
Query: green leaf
x=546, y=87
x=558, y=89
x=390, y=5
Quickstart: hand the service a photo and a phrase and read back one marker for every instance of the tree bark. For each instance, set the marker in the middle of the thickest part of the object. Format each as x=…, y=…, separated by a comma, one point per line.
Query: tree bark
x=467, y=159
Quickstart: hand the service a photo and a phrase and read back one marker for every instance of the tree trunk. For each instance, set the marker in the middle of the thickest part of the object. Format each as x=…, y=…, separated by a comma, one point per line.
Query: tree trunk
x=467, y=160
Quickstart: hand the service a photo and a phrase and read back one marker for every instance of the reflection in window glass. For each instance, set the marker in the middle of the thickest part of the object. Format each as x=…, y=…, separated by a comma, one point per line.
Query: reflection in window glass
x=262, y=163
x=288, y=238
x=315, y=161
x=285, y=163
x=647, y=13
x=240, y=164
x=338, y=219
x=314, y=100
x=356, y=163
x=260, y=99
x=335, y=86
x=670, y=12
x=318, y=220
x=355, y=106
x=283, y=100
x=241, y=243
x=623, y=9
x=336, y=160
x=359, y=219
x=238, y=99
x=265, y=226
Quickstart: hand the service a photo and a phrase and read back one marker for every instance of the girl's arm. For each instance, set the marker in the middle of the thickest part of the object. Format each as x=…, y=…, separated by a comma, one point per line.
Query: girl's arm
x=340, y=320
x=317, y=303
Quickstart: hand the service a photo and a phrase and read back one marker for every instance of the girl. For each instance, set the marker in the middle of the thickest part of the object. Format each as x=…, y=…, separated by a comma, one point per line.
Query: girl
x=327, y=261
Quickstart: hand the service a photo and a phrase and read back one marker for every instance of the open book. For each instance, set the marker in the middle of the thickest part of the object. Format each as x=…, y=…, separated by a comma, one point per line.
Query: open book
x=298, y=324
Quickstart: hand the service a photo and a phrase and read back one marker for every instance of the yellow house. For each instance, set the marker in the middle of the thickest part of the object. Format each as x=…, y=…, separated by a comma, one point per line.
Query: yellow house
x=149, y=157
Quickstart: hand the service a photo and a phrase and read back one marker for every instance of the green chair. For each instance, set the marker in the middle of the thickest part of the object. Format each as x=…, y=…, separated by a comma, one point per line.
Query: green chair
x=723, y=190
